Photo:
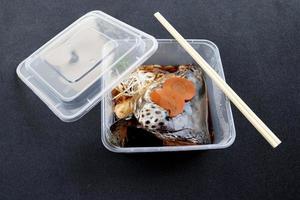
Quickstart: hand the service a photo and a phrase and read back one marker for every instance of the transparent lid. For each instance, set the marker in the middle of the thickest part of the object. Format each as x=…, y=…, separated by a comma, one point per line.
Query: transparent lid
x=68, y=72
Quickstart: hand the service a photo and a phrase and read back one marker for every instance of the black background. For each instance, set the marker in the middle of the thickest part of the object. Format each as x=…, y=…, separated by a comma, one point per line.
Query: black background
x=44, y=158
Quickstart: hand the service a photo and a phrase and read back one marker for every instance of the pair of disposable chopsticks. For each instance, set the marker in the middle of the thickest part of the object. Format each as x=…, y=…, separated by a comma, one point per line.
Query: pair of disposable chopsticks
x=236, y=100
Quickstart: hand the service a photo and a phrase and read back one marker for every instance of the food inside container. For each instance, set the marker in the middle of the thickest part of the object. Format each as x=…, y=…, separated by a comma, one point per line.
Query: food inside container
x=161, y=106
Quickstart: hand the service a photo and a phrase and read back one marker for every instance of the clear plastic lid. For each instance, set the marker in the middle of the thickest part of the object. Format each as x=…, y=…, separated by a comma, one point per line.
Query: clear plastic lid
x=68, y=72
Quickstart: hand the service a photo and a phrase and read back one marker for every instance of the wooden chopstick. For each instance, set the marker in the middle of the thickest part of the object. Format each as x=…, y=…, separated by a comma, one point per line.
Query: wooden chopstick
x=235, y=99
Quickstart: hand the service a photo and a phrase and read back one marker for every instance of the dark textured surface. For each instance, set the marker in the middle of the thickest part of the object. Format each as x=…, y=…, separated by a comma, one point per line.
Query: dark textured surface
x=44, y=158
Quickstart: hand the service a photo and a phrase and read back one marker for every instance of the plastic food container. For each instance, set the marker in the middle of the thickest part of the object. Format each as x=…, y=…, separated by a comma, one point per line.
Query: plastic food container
x=81, y=65
x=169, y=52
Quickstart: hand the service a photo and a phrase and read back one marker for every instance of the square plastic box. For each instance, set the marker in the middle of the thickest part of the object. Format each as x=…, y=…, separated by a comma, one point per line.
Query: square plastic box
x=79, y=67
x=169, y=52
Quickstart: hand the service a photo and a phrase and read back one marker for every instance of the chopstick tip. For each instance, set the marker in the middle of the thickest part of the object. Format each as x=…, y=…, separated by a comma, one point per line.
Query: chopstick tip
x=277, y=144
x=156, y=14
